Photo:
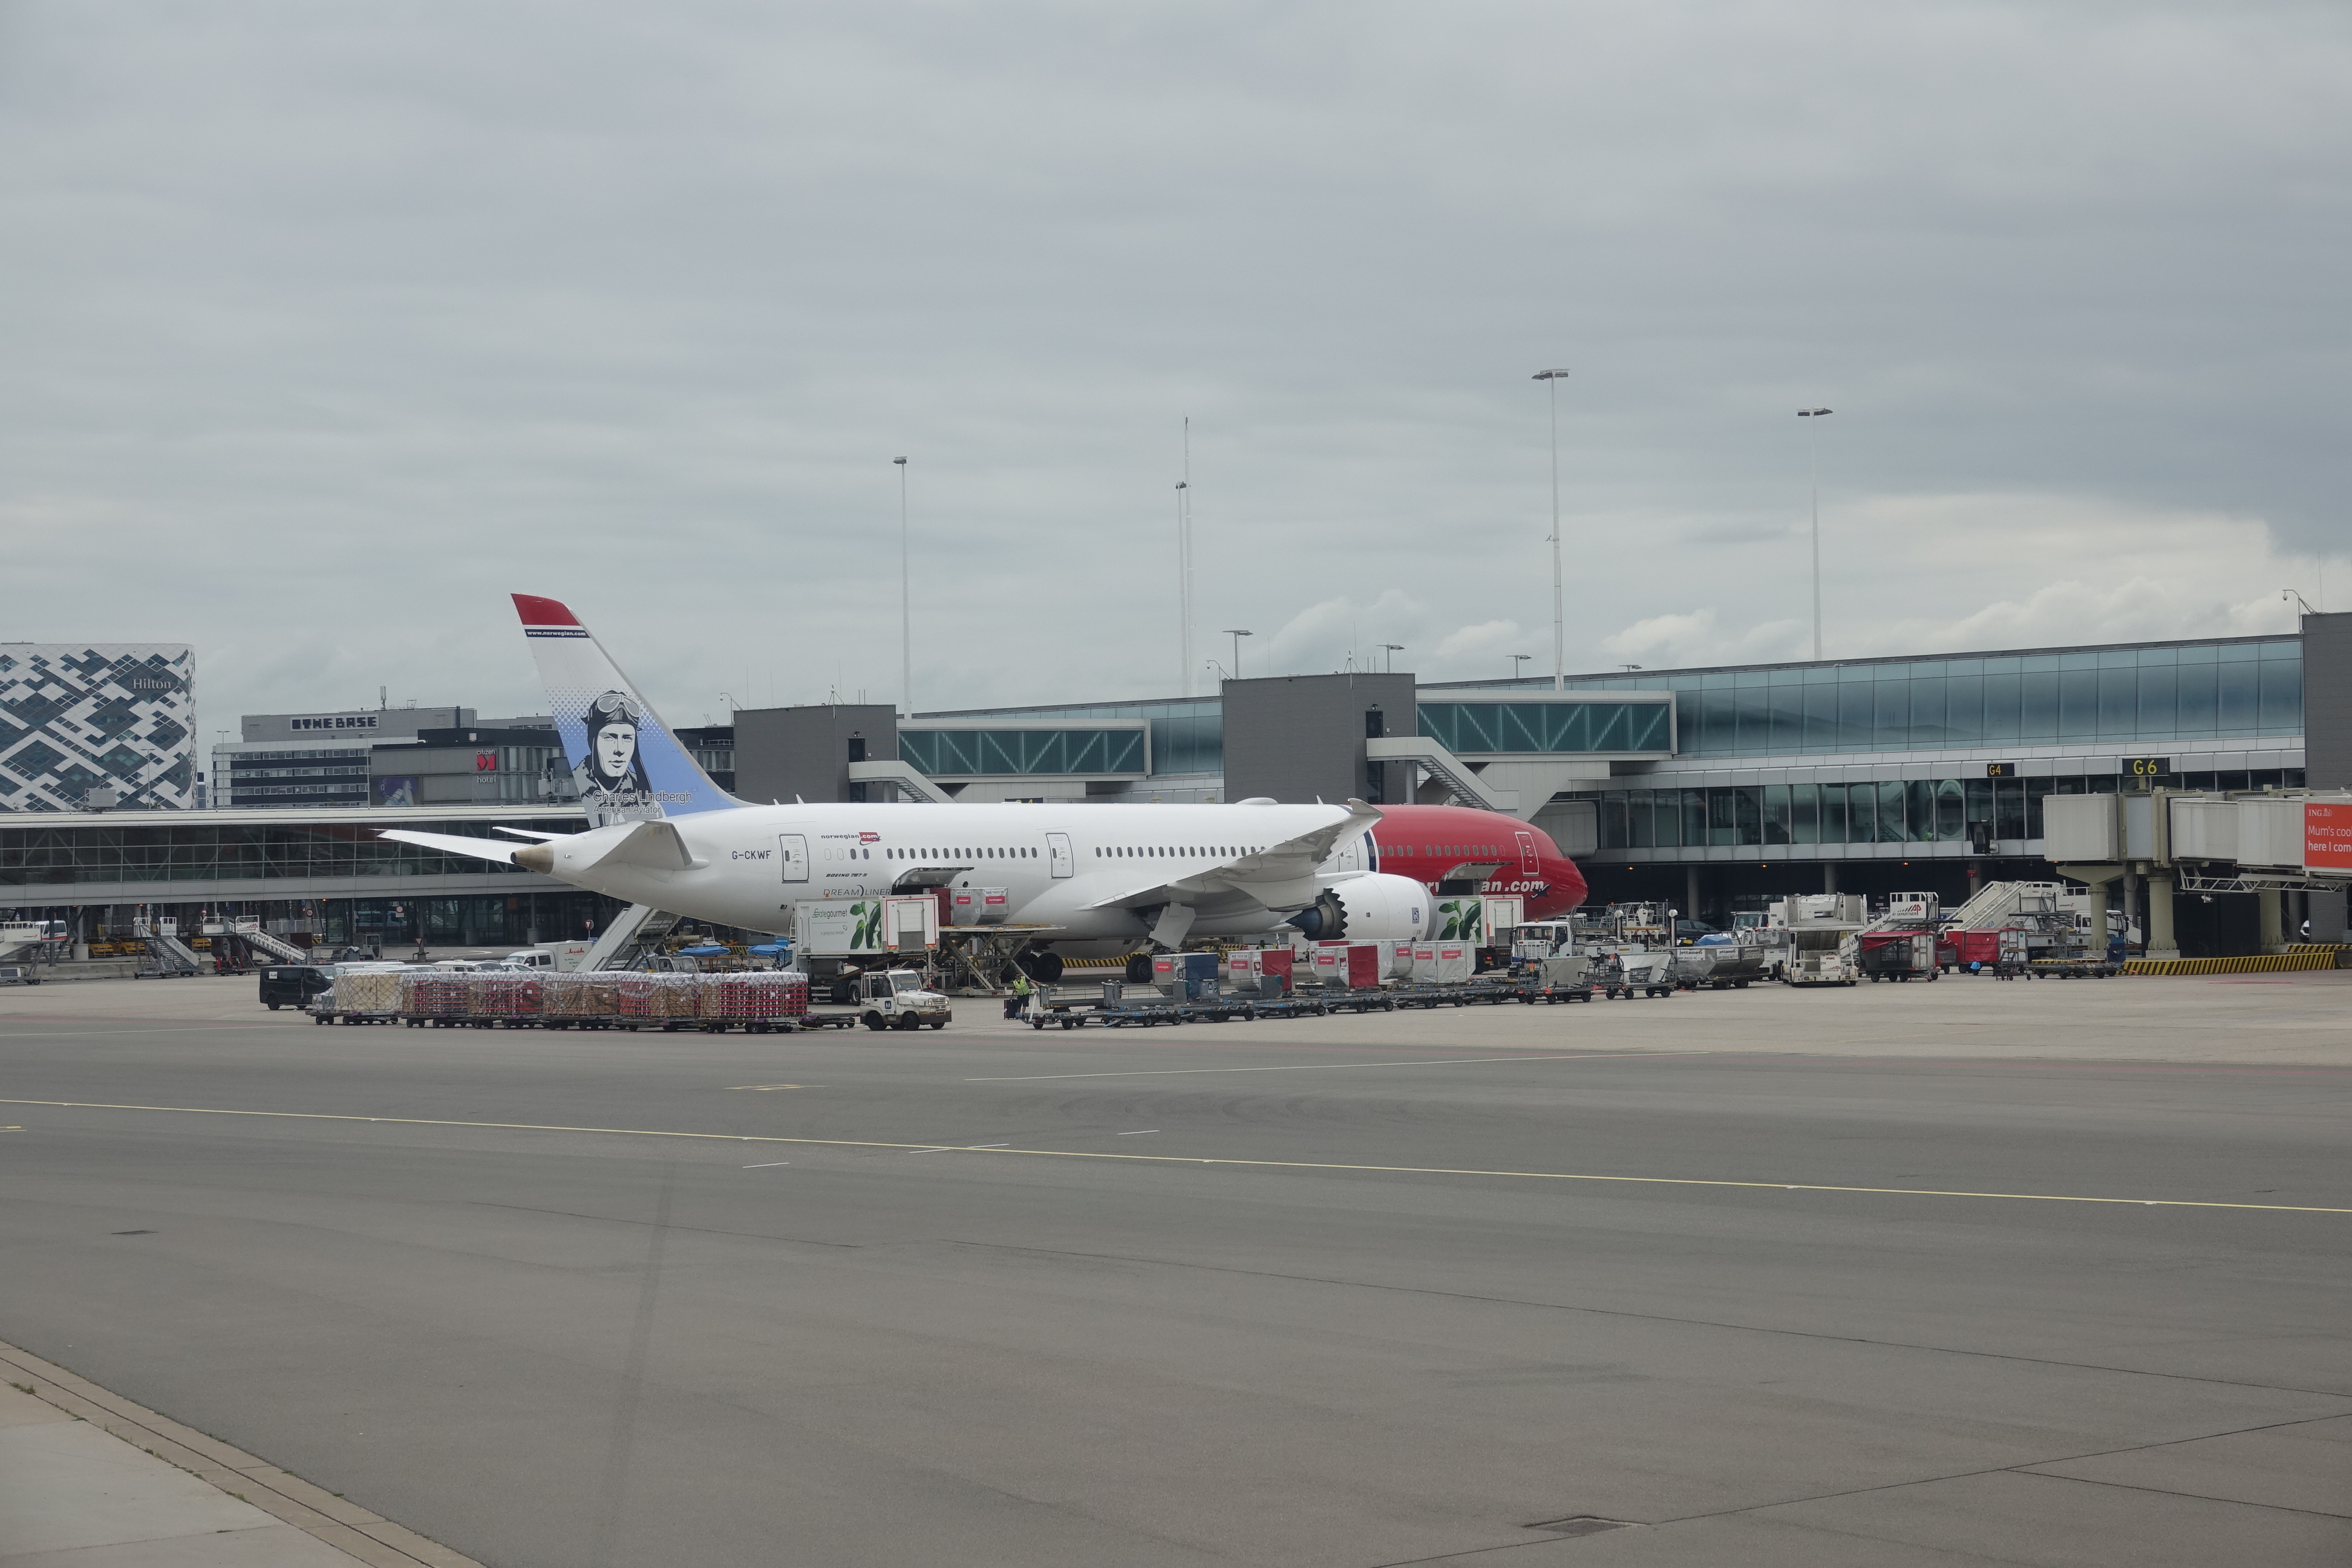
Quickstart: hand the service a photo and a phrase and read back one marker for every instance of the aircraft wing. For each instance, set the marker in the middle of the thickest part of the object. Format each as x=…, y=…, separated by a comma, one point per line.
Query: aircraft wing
x=454, y=844
x=1280, y=876
x=528, y=833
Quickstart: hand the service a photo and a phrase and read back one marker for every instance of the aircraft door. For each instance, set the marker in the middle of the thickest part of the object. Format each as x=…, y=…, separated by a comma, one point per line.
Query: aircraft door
x=1530, y=864
x=792, y=848
x=1058, y=855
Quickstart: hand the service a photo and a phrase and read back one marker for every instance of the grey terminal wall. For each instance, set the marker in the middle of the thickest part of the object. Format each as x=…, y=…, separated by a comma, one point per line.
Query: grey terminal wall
x=2327, y=735
x=782, y=752
x=1299, y=738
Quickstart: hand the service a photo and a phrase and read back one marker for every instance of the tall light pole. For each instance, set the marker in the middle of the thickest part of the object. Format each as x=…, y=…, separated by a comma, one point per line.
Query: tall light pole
x=905, y=597
x=1236, y=633
x=1184, y=586
x=1813, y=459
x=1551, y=380
x=1517, y=659
x=1389, y=664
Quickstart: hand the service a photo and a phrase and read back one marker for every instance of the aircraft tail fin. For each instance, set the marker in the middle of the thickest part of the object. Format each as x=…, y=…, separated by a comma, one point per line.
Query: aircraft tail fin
x=627, y=764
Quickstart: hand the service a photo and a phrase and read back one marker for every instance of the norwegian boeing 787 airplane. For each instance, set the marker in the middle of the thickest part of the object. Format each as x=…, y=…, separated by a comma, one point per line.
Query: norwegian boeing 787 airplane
x=662, y=834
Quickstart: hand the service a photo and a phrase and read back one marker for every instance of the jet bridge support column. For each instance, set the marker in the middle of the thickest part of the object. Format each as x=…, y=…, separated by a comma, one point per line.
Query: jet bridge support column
x=2270, y=900
x=2161, y=940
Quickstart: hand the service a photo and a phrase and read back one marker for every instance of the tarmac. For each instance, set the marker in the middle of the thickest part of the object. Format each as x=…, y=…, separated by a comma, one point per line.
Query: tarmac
x=2044, y=1272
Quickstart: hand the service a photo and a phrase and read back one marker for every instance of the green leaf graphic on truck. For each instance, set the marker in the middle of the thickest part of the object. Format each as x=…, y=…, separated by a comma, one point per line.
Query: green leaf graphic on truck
x=1458, y=920
x=869, y=932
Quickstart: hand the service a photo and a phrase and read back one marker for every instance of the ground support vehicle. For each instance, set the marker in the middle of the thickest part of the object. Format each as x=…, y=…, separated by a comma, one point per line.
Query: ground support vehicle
x=293, y=985
x=896, y=999
x=1639, y=973
x=1713, y=966
x=1896, y=954
x=1820, y=955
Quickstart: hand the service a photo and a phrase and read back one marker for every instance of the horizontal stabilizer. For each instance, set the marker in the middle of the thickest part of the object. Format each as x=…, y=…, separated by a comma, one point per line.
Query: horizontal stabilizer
x=454, y=844
x=528, y=833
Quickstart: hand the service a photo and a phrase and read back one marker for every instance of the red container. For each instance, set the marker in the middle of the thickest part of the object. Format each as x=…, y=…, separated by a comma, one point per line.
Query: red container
x=1275, y=970
x=1363, y=966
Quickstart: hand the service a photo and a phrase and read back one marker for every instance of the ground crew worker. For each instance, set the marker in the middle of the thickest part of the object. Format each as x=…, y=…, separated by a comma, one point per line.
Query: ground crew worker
x=1018, y=999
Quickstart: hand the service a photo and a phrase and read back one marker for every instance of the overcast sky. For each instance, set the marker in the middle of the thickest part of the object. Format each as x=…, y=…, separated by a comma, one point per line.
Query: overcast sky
x=326, y=327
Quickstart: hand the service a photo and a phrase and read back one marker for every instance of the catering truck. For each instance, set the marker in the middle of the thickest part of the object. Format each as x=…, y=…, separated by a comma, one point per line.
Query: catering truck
x=1821, y=950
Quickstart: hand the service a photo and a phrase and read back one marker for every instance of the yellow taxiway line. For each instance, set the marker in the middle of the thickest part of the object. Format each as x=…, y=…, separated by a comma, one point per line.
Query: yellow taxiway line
x=1195, y=1160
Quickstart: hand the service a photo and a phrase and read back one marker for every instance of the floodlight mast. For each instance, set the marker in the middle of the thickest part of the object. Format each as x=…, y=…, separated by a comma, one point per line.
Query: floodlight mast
x=1813, y=459
x=906, y=598
x=1237, y=633
x=1551, y=380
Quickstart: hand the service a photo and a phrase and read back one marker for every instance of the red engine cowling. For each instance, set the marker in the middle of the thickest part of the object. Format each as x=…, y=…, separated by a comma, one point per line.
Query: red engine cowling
x=1369, y=909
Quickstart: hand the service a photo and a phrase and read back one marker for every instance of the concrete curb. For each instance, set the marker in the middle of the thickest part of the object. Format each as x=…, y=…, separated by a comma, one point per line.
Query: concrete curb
x=368, y=1537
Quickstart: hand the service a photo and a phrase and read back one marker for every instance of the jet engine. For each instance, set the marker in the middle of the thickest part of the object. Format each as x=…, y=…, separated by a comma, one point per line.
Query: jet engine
x=1368, y=908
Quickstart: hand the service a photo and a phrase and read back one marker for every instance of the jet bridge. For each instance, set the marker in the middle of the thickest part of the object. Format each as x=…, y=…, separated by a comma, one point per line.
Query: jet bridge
x=2266, y=843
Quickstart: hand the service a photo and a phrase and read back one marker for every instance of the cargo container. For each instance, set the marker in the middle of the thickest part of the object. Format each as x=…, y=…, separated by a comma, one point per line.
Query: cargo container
x=1442, y=962
x=1171, y=973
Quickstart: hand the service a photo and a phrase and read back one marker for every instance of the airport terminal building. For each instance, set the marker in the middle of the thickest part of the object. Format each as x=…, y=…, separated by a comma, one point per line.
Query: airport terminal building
x=1713, y=789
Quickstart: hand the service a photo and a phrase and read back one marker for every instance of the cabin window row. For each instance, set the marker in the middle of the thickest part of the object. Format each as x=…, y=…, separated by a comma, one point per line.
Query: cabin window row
x=1140, y=851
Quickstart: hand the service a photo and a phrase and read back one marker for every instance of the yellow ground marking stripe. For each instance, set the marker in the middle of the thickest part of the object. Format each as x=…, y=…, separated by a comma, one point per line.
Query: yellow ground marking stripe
x=1192, y=1160
x=1330, y=1066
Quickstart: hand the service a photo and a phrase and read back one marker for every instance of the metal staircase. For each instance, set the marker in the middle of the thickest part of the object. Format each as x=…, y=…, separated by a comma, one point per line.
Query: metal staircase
x=1997, y=905
x=633, y=931
x=1460, y=779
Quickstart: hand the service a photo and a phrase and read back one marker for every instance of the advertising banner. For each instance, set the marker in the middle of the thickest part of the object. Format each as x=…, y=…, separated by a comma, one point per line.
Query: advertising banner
x=842, y=930
x=2327, y=836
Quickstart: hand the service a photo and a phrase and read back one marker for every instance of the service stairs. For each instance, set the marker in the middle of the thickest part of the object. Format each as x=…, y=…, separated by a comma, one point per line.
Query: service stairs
x=1997, y=906
x=171, y=955
x=269, y=946
x=633, y=932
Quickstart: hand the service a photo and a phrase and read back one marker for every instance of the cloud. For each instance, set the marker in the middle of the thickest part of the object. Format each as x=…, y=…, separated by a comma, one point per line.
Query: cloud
x=1486, y=639
x=326, y=331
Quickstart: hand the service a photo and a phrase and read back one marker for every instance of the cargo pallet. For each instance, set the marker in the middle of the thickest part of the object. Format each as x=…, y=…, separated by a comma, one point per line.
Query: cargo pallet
x=1466, y=994
x=662, y=1026
x=1532, y=994
x=2074, y=968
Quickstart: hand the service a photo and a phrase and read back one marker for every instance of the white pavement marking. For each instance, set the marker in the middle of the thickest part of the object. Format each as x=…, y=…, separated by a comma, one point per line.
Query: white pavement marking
x=771, y=1165
x=1334, y=1066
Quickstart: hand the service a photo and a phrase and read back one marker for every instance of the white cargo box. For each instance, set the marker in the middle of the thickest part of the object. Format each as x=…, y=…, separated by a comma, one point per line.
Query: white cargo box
x=1499, y=914
x=909, y=922
x=1396, y=960
x=1447, y=963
